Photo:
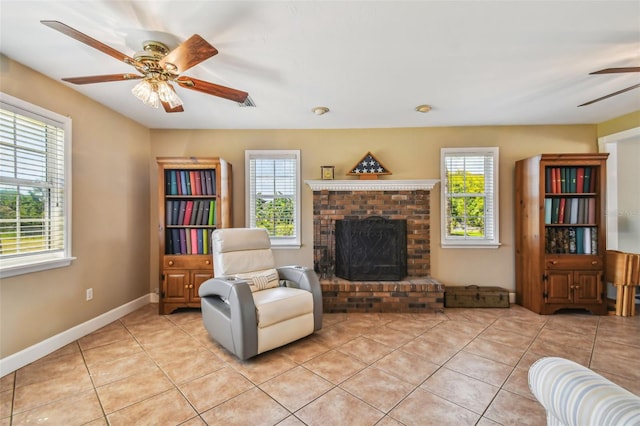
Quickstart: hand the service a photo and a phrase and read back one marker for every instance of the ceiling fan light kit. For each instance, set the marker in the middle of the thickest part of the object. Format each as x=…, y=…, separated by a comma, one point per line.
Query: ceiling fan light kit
x=320, y=110
x=158, y=66
x=423, y=108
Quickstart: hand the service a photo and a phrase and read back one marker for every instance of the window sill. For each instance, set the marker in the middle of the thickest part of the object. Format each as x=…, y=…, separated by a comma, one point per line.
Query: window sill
x=10, y=270
x=285, y=246
x=470, y=245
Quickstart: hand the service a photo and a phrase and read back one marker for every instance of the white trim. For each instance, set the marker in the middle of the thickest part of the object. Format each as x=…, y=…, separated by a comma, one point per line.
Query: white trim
x=33, y=353
x=372, y=185
x=609, y=144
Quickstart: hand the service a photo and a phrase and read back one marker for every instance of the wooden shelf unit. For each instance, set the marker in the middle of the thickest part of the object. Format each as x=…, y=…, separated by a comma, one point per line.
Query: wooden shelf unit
x=560, y=255
x=194, y=198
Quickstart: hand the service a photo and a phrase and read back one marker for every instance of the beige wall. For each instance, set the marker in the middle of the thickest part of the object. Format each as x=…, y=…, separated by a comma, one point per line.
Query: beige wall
x=110, y=211
x=619, y=124
x=408, y=153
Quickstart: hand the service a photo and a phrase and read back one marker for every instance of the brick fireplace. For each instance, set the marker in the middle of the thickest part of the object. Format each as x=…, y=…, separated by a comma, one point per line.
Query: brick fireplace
x=391, y=199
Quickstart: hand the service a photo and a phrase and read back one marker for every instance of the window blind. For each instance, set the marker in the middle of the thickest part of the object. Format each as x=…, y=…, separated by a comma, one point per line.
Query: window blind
x=32, y=184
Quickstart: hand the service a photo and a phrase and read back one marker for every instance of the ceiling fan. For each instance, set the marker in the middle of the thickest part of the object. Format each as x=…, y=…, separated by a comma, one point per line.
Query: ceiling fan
x=158, y=68
x=614, y=71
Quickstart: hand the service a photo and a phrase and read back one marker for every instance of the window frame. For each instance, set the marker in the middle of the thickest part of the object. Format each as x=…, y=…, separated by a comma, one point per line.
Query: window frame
x=493, y=241
x=28, y=263
x=276, y=242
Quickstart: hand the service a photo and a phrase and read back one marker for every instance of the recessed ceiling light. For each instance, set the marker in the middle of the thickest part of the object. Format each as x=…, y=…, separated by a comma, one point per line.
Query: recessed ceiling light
x=320, y=110
x=423, y=108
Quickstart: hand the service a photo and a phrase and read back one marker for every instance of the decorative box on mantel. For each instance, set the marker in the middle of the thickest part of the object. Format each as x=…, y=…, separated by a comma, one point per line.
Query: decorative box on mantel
x=391, y=199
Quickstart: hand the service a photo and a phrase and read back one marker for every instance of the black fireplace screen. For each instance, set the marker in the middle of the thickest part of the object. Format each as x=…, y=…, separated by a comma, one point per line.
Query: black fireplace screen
x=371, y=249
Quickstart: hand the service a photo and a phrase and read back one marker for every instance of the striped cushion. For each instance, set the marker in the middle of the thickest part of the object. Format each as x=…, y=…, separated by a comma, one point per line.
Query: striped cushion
x=574, y=395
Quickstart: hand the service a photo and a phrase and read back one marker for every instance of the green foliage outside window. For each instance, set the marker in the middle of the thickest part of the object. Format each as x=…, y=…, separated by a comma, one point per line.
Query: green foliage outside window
x=29, y=216
x=466, y=204
x=275, y=215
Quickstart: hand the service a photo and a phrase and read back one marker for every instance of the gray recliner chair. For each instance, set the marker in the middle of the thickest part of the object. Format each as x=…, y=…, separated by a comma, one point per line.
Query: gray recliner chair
x=250, y=306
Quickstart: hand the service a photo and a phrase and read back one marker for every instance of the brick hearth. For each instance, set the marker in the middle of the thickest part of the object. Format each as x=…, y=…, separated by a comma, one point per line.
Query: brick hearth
x=353, y=199
x=410, y=295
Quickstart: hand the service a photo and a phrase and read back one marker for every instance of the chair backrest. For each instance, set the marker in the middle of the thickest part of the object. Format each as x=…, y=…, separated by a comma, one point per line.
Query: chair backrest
x=244, y=253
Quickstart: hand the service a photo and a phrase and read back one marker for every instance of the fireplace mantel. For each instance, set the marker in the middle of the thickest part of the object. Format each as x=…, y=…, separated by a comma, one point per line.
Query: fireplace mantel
x=372, y=185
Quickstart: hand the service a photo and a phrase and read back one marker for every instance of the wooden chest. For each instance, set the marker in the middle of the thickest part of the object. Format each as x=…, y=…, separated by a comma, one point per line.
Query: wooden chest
x=473, y=296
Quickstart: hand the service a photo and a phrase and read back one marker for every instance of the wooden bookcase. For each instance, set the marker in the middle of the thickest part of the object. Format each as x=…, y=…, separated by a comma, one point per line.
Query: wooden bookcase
x=194, y=198
x=560, y=233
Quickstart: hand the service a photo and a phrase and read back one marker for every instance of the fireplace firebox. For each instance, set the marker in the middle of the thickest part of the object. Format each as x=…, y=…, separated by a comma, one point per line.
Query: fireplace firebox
x=371, y=249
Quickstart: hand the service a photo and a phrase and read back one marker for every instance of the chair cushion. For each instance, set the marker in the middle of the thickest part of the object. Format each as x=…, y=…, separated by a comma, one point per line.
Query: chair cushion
x=280, y=304
x=261, y=280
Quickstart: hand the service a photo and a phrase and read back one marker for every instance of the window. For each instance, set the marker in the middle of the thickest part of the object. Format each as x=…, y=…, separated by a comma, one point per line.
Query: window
x=469, y=197
x=35, y=190
x=273, y=194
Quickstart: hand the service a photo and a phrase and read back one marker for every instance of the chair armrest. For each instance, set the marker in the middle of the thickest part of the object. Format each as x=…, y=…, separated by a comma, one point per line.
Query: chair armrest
x=305, y=279
x=243, y=321
x=575, y=395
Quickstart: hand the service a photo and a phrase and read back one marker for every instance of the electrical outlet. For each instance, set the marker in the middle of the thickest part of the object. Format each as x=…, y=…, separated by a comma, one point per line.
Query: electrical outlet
x=89, y=293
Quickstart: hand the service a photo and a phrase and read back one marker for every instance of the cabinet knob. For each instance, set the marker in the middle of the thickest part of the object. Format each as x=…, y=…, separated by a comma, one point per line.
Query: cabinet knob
x=594, y=262
x=554, y=262
x=207, y=262
x=190, y=285
x=186, y=286
x=171, y=263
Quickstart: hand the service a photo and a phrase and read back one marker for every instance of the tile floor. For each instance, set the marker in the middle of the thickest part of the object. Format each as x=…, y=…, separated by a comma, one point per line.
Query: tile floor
x=462, y=367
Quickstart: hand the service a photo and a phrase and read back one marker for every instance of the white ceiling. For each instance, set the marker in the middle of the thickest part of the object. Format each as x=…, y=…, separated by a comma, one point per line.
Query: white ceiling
x=371, y=62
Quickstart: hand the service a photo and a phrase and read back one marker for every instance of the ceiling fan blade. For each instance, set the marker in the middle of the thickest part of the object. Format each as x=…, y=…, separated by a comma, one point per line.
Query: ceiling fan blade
x=616, y=70
x=73, y=33
x=102, y=78
x=635, y=86
x=168, y=108
x=212, y=89
x=188, y=54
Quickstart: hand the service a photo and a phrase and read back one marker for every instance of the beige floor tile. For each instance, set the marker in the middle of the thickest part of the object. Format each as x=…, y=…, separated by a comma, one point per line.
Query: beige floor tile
x=77, y=409
x=296, y=388
x=304, y=349
x=366, y=350
x=378, y=388
x=389, y=336
x=35, y=395
x=130, y=390
x=256, y=407
x=546, y=348
x=489, y=371
x=495, y=351
x=436, y=352
x=108, y=334
x=566, y=338
x=167, y=408
x=424, y=408
x=508, y=338
x=518, y=382
x=406, y=366
x=339, y=408
x=6, y=403
x=70, y=364
x=192, y=365
x=120, y=368
x=465, y=391
x=215, y=388
x=111, y=351
x=335, y=366
x=170, y=362
x=7, y=382
x=512, y=409
x=265, y=366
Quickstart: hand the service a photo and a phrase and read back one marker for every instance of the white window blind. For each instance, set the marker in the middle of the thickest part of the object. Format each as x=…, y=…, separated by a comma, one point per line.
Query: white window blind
x=273, y=194
x=469, y=197
x=34, y=188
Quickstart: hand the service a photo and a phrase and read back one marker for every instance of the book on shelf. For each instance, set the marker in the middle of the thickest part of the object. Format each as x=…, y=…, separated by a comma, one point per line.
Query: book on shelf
x=194, y=241
x=572, y=186
x=212, y=213
x=573, y=219
x=187, y=213
x=181, y=211
x=586, y=187
x=183, y=241
x=580, y=180
x=547, y=210
x=591, y=210
x=200, y=212
x=571, y=240
x=199, y=239
x=209, y=181
x=168, y=212
x=561, y=209
x=195, y=182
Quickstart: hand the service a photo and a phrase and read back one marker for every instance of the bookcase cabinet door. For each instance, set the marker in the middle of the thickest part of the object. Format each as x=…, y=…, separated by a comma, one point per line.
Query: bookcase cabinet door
x=176, y=287
x=559, y=287
x=589, y=287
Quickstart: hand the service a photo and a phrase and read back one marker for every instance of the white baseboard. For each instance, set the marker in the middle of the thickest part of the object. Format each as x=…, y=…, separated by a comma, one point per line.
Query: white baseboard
x=26, y=356
x=512, y=298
